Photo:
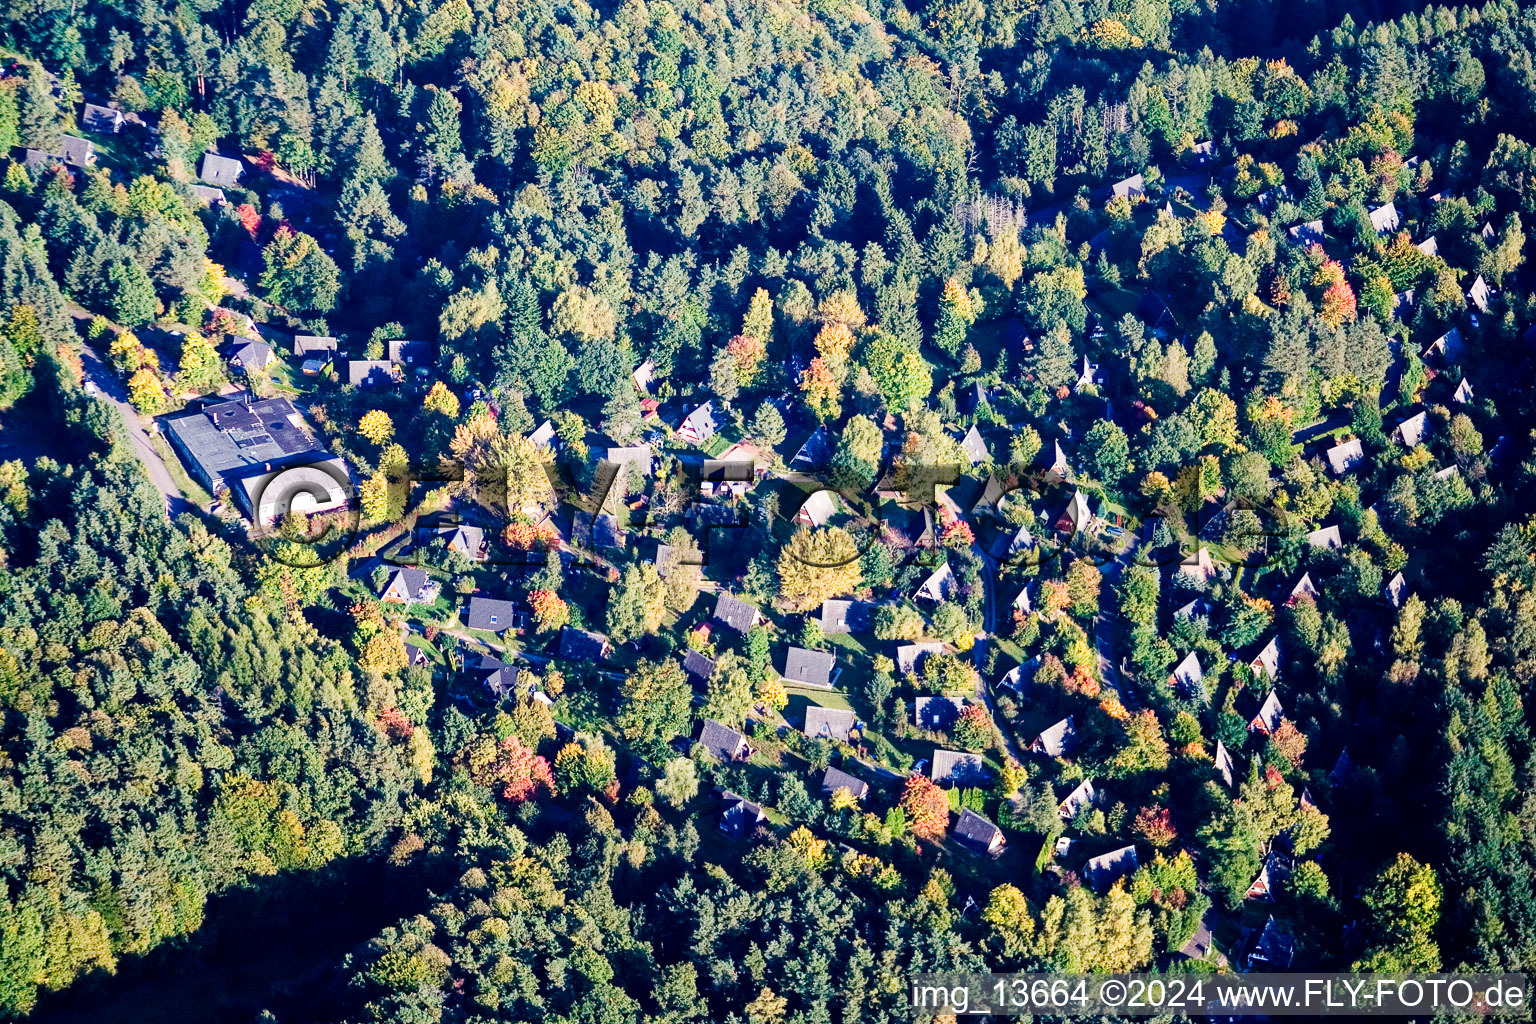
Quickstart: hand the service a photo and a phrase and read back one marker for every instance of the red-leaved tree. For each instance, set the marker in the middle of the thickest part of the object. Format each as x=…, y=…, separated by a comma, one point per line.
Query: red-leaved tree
x=250, y=218
x=926, y=807
x=514, y=771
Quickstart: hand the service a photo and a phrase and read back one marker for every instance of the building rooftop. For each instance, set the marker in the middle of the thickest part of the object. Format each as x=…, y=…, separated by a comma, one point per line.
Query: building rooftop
x=220, y=170
x=239, y=437
x=829, y=723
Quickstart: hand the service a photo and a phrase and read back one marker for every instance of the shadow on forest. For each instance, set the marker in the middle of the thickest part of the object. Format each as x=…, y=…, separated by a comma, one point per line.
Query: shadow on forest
x=277, y=946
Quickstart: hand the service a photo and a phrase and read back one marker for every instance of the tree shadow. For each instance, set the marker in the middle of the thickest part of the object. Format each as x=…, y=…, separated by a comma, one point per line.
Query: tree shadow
x=276, y=945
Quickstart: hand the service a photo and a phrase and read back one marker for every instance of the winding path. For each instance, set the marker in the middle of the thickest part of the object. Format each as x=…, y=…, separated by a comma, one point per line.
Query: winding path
x=110, y=389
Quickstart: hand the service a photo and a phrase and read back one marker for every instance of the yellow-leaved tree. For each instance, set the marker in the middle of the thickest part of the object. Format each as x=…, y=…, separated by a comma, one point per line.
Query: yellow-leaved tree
x=440, y=399
x=817, y=564
x=376, y=426
x=145, y=392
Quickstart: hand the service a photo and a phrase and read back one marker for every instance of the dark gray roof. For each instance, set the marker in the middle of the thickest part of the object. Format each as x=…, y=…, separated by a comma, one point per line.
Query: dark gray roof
x=76, y=151
x=1306, y=234
x=834, y=779
x=1448, y=346
x=701, y=422
x=1129, y=187
x=404, y=350
x=1224, y=763
x=1477, y=294
x=582, y=645
x=1343, y=456
x=910, y=657
x=811, y=668
x=498, y=677
x=958, y=766
x=221, y=170
x=737, y=614
x=940, y=584
x=230, y=438
x=1195, y=609
x=102, y=120
x=71, y=150
x=1326, y=537
x=1011, y=545
x=606, y=532
x=974, y=831
x=937, y=713
x=1104, y=870
x=816, y=451
x=1412, y=430
x=843, y=616
x=209, y=194
x=829, y=723
x=818, y=508
x=637, y=456
x=544, y=435
x=462, y=537
x=248, y=353
x=727, y=471
x=1083, y=796
x=1055, y=741
x=1188, y=673
x=407, y=584
x=370, y=371
x=310, y=344
x=1270, y=714
x=1268, y=658
x=739, y=816
x=1274, y=946
x=721, y=740
x=698, y=669
x=1385, y=218
x=489, y=614
x=644, y=374
x=599, y=531
x=974, y=447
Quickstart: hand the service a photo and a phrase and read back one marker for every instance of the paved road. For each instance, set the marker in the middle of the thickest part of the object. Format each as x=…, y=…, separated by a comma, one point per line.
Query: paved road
x=112, y=390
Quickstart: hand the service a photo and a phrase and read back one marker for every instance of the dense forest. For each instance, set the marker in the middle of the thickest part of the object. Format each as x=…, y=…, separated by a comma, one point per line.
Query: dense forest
x=1253, y=275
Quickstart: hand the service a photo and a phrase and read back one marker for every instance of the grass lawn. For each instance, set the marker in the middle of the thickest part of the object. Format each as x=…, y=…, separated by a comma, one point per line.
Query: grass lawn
x=191, y=489
x=800, y=697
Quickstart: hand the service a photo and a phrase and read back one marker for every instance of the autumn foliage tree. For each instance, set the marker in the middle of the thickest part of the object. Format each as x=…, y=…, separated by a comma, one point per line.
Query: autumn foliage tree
x=955, y=318
x=440, y=399
x=747, y=353
x=526, y=536
x=822, y=389
x=818, y=564
x=926, y=807
x=973, y=729
x=146, y=392
x=550, y=611
x=376, y=426
x=515, y=772
x=1155, y=825
x=1338, y=304
x=250, y=219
